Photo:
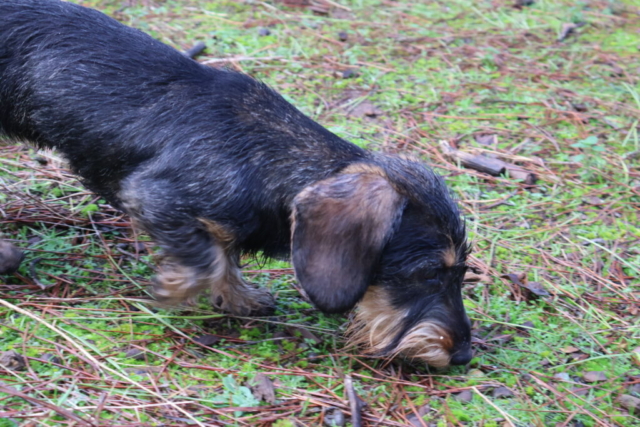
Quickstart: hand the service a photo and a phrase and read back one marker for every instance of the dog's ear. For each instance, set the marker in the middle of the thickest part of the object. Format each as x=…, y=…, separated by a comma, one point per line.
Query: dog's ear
x=340, y=226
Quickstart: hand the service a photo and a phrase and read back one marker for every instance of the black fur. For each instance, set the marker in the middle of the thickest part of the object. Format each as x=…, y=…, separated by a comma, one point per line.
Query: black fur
x=173, y=142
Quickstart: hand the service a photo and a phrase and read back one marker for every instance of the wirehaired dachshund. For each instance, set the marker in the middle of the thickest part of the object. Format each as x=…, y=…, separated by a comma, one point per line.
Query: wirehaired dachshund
x=214, y=164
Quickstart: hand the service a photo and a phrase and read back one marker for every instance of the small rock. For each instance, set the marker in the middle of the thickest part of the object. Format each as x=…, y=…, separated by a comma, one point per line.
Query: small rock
x=264, y=32
x=10, y=257
x=343, y=36
x=594, y=376
x=502, y=392
x=334, y=418
x=349, y=73
x=12, y=361
x=464, y=396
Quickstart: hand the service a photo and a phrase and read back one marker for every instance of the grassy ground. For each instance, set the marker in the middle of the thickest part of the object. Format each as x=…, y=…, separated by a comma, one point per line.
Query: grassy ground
x=556, y=302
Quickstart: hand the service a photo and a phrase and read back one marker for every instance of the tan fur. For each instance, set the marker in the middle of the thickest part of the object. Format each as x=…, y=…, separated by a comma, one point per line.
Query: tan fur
x=360, y=205
x=229, y=292
x=426, y=341
x=365, y=168
x=449, y=258
x=377, y=322
x=220, y=234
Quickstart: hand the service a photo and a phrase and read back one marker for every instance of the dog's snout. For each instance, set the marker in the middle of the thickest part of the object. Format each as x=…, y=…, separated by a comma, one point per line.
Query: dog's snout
x=462, y=357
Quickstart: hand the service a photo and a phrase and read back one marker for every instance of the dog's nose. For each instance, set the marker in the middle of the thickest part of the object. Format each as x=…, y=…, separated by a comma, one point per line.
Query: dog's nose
x=461, y=357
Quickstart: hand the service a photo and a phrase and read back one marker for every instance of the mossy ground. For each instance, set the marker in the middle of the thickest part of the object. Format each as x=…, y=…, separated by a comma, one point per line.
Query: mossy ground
x=398, y=76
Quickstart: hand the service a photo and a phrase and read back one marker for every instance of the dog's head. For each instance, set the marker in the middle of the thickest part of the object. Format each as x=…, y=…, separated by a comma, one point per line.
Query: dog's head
x=387, y=235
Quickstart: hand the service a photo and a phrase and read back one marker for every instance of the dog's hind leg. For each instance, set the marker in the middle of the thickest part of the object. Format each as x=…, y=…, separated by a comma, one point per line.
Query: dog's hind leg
x=198, y=253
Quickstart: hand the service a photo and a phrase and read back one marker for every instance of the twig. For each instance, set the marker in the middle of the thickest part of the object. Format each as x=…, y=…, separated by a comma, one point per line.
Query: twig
x=67, y=414
x=354, y=402
x=196, y=50
x=243, y=58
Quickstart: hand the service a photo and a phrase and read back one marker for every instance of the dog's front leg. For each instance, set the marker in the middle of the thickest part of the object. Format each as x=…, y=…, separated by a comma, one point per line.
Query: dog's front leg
x=199, y=253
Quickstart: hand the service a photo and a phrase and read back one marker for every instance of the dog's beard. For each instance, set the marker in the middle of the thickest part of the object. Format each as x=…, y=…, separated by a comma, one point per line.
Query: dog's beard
x=377, y=324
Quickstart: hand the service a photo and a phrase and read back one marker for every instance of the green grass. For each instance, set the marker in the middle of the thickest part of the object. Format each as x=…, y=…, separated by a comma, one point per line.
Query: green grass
x=568, y=111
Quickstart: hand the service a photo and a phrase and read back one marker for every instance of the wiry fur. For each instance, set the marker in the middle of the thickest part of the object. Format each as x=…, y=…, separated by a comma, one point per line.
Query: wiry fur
x=214, y=164
x=377, y=323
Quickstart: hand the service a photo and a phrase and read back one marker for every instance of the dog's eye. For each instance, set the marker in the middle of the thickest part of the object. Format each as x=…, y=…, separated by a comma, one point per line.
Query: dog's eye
x=426, y=274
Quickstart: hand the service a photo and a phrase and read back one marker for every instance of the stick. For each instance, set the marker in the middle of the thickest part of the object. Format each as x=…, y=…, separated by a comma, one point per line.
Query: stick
x=195, y=50
x=61, y=411
x=480, y=163
x=495, y=167
x=354, y=402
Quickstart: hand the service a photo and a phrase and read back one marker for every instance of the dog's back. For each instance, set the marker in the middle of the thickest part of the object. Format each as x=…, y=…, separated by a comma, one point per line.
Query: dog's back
x=106, y=94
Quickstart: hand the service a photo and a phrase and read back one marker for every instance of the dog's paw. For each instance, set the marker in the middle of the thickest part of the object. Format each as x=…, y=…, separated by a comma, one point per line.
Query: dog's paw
x=243, y=300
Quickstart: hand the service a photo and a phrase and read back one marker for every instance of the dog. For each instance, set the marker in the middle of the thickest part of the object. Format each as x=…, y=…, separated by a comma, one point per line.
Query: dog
x=214, y=164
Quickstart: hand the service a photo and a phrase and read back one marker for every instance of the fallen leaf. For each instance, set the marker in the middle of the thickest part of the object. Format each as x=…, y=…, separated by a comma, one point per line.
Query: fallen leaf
x=144, y=370
x=135, y=353
x=580, y=391
x=579, y=107
x=304, y=333
x=413, y=419
x=464, y=396
x=631, y=403
x=536, y=288
x=501, y=392
x=635, y=356
x=12, y=360
x=562, y=376
x=10, y=257
x=526, y=325
x=334, y=417
x=594, y=201
x=594, y=376
x=579, y=356
x=475, y=373
x=569, y=349
x=566, y=30
x=485, y=139
x=262, y=388
x=365, y=108
x=519, y=4
x=207, y=339
x=503, y=338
